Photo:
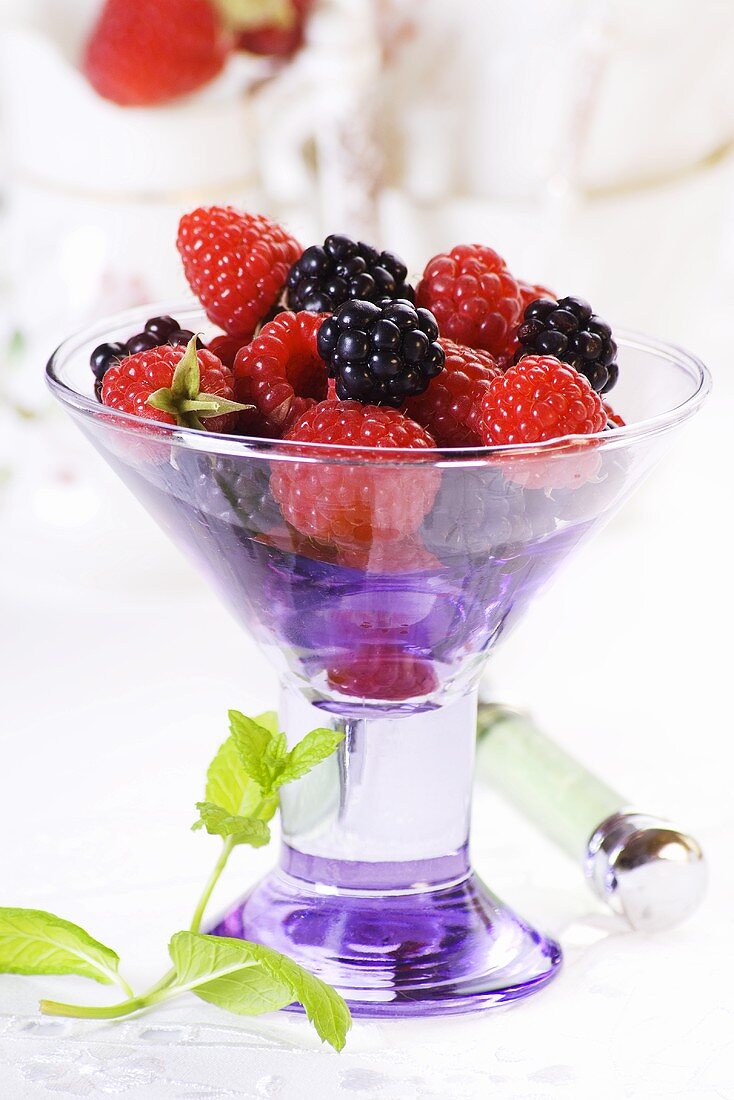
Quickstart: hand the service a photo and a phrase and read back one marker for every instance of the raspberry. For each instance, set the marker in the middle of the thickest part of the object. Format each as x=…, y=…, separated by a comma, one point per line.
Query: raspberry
x=539, y=398
x=275, y=40
x=145, y=52
x=235, y=263
x=383, y=672
x=475, y=299
x=325, y=277
x=280, y=373
x=380, y=354
x=226, y=348
x=569, y=330
x=357, y=504
x=154, y=384
x=449, y=407
x=389, y=558
x=614, y=420
x=529, y=292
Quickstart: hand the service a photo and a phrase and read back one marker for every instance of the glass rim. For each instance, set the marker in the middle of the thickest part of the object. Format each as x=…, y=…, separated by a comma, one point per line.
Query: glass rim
x=233, y=445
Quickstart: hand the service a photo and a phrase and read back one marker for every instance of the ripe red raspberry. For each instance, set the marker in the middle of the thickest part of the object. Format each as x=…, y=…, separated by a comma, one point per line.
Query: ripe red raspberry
x=395, y=558
x=612, y=416
x=281, y=373
x=383, y=672
x=537, y=399
x=530, y=292
x=174, y=375
x=474, y=298
x=276, y=40
x=145, y=52
x=449, y=407
x=356, y=504
x=226, y=348
x=235, y=263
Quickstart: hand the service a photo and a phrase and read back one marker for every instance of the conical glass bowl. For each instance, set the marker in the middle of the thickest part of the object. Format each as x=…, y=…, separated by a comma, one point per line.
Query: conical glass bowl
x=382, y=629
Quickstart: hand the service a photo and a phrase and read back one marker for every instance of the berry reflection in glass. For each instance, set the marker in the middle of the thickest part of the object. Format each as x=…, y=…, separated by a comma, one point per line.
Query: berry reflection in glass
x=382, y=629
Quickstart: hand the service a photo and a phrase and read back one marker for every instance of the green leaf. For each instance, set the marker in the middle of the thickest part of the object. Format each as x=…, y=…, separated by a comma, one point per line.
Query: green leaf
x=228, y=785
x=269, y=721
x=35, y=942
x=242, y=830
x=248, y=978
x=183, y=401
x=186, y=377
x=253, y=742
x=311, y=750
x=224, y=975
x=325, y=1008
x=210, y=404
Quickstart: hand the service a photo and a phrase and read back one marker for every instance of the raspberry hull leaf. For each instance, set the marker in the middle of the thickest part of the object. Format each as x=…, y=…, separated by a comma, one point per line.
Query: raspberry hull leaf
x=182, y=399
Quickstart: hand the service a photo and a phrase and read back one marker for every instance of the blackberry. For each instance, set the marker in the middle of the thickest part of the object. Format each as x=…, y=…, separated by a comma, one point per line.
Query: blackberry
x=479, y=513
x=327, y=275
x=569, y=330
x=157, y=331
x=226, y=490
x=380, y=354
x=104, y=356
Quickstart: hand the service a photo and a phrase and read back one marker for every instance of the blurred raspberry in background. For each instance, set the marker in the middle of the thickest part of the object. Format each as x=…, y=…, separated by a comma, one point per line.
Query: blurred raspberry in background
x=142, y=53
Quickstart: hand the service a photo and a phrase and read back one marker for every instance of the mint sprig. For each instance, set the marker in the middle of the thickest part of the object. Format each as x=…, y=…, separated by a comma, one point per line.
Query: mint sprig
x=241, y=797
x=264, y=756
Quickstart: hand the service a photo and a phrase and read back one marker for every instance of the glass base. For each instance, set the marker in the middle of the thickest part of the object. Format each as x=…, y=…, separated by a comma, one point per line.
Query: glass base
x=441, y=947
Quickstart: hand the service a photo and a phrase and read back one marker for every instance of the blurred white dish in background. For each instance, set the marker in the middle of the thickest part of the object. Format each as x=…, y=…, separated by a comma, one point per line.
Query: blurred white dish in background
x=60, y=132
x=606, y=93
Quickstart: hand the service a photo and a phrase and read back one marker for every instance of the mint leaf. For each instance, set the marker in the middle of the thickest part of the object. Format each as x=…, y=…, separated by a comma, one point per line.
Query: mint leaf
x=264, y=755
x=33, y=941
x=224, y=975
x=248, y=978
x=311, y=750
x=325, y=1008
x=228, y=785
x=269, y=721
x=242, y=830
x=252, y=741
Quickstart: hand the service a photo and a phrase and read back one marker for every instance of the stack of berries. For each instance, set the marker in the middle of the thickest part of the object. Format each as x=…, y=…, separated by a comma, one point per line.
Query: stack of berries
x=332, y=345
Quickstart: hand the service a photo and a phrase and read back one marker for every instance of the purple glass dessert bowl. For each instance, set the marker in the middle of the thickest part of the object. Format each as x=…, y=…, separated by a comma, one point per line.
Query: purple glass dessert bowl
x=374, y=891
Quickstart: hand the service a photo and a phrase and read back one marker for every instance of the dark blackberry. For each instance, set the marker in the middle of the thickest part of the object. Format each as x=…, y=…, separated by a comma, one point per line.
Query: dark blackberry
x=480, y=513
x=162, y=327
x=104, y=356
x=380, y=354
x=227, y=490
x=142, y=341
x=157, y=331
x=181, y=338
x=326, y=275
x=571, y=331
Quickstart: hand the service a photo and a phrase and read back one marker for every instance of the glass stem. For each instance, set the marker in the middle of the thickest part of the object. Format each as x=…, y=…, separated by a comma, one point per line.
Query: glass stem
x=393, y=802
